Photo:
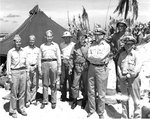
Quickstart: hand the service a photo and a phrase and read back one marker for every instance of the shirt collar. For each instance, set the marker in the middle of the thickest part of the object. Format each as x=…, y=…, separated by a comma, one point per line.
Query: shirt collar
x=52, y=43
x=32, y=47
x=21, y=49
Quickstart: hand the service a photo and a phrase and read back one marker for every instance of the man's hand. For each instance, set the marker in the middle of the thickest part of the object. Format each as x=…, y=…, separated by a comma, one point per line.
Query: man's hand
x=58, y=73
x=128, y=76
x=10, y=79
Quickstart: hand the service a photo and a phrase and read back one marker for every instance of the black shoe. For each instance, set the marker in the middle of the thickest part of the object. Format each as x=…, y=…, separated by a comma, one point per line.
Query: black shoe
x=14, y=115
x=63, y=99
x=74, y=104
x=71, y=99
x=83, y=104
x=53, y=105
x=42, y=106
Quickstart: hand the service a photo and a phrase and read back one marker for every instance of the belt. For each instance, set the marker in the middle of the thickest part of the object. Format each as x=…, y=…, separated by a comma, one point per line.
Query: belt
x=48, y=60
x=32, y=65
x=20, y=68
x=99, y=65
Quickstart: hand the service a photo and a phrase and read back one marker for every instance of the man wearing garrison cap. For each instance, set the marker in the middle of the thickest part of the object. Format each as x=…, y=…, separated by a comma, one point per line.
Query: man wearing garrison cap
x=51, y=68
x=34, y=61
x=17, y=70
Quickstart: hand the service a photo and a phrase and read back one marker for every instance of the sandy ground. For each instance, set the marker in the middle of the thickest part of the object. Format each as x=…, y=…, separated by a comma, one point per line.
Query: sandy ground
x=63, y=110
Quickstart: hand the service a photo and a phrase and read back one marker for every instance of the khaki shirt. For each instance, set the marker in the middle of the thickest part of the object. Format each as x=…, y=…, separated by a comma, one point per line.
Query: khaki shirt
x=33, y=55
x=129, y=63
x=16, y=60
x=66, y=51
x=79, y=53
x=98, y=52
x=51, y=52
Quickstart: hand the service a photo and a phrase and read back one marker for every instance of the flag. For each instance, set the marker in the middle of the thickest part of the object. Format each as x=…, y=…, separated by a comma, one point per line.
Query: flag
x=84, y=15
x=85, y=19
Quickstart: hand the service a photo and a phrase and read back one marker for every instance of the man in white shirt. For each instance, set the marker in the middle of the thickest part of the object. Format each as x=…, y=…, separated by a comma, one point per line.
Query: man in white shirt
x=67, y=65
x=51, y=68
x=97, y=55
x=34, y=61
x=17, y=70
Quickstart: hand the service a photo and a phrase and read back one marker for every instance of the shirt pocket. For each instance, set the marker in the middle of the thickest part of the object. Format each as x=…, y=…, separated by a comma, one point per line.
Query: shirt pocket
x=23, y=58
x=131, y=64
x=15, y=57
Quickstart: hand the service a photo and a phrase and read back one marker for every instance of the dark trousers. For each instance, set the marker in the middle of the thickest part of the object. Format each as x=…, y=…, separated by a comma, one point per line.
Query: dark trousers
x=65, y=79
x=80, y=82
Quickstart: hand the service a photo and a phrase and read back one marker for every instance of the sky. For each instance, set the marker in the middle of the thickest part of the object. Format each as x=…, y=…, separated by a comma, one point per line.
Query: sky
x=14, y=12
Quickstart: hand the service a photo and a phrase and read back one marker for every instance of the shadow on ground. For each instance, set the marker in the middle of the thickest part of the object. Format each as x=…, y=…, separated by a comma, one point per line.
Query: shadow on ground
x=112, y=112
x=6, y=106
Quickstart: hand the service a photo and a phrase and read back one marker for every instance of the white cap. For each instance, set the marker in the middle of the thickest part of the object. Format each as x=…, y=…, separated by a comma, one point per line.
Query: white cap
x=67, y=34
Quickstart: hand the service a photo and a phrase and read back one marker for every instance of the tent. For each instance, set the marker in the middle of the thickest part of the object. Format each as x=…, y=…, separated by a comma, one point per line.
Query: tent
x=37, y=23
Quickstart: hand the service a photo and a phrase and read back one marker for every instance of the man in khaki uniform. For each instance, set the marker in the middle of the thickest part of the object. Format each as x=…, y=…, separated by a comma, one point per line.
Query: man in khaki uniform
x=34, y=61
x=51, y=68
x=98, y=73
x=129, y=67
x=17, y=71
x=80, y=70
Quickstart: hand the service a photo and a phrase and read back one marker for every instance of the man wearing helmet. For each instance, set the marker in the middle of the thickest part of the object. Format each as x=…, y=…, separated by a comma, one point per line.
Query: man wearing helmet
x=129, y=67
x=67, y=65
x=116, y=43
x=98, y=72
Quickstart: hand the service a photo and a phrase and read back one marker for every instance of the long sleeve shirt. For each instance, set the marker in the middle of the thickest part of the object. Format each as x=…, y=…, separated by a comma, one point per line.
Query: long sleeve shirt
x=98, y=52
x=79, y=53
x=51, y=51
x=16, y=59
x=33, y=56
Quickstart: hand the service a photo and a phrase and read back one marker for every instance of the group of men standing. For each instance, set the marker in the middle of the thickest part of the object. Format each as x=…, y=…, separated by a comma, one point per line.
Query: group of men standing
x=83, y=65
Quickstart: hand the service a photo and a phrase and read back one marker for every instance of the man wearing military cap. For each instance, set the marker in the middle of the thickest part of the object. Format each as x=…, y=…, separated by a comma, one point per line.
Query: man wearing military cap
x=129, y=68
x=51, y=68
x=34, y=61
x=98, y=73
x=17, y=71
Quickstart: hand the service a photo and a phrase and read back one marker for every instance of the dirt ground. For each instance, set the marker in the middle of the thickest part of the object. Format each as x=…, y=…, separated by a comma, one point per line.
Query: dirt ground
x=63, y=109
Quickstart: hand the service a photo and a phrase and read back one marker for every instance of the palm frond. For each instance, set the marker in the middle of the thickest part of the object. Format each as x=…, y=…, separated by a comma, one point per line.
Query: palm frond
x=135, y=8
x=126, y=9
x=120, y=6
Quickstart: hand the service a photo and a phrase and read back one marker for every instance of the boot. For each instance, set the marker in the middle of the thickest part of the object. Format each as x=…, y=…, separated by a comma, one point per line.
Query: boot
x=83, y=104
x=74, y=104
